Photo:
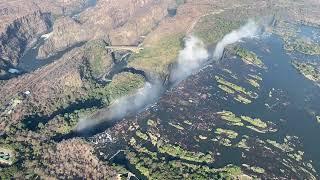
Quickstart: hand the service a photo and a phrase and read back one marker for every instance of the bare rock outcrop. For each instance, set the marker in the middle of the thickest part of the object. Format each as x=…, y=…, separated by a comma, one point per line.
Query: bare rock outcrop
x=124, y=22
x=22, y=22
x=66, y=32
x=20, y=33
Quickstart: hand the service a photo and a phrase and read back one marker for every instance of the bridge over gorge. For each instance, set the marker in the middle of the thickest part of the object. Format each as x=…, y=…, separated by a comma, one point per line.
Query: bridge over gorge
x=135, y=49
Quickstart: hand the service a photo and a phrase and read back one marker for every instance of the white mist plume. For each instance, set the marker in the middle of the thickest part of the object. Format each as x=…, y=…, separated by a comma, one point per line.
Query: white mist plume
x=249, y=30
x=122, y=106
x=190, y=58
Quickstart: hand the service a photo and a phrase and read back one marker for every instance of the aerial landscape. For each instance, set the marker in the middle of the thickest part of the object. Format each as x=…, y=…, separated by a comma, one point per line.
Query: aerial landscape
x=159, y=89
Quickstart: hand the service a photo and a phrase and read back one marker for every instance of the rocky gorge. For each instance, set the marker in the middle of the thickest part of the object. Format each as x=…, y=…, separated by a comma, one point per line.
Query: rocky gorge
x=89, y=65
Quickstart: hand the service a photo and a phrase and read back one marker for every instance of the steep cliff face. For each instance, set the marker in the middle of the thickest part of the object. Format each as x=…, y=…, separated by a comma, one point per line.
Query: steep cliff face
x=49, y=86
x=122, y=21
x=66, y=32
x=21, y=22
x=143, y=23
x=20, y=33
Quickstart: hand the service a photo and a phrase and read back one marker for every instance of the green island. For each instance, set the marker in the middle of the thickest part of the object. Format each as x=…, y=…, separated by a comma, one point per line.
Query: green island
x=297, y=156
x=151, y=123
x=187, y=122
x=203, y=137
x=154, y=138
x=255, y=122
x=249, y=57
x=171, y=149
x=176, y=126
x=254, y=83
x=308, y=70
x=223, y=141
x=176, y=169
x=242, y=99
x=243, y=144
x=233, y=87
x=177, y=151
x=302, y=45
x=230, y=117
x=283, y=147
x=226, y=89
x=318, y=119
x=228, y=133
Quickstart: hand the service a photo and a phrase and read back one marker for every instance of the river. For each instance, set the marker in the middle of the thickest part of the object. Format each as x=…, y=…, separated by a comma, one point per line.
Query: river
x=285, y=98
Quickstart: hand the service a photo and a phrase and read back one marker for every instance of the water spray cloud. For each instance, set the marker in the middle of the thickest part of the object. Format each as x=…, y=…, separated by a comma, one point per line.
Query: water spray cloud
x=122, y=106
x=249, y=30
x=190, y=59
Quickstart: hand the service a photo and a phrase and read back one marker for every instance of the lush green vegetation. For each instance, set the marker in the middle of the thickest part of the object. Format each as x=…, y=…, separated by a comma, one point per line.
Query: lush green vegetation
x=177, y=151
x=122, y=84
x=309, y=70
x=229, y=133
x=224, y=141
x=141, y=149
x=63, y=123
x=8, y=173
x=254, y=83
x=243, y=144
x=151, y=123
x=318, y=118
x=176, y=169
x=157, y=56
x=176, y=126
x=283, y=147
x=153, y=138
x=187, y=122
x=255, y=122
x=302, y=45
x=171, y=149
x=293, y=41
x=212, y=28
x=203, y=137
x=226, y=89
x=142, y=135
x=297, y=156
x=98, y=59
x=249, y=57
x=230, y=117
x=234, y=87
x=242, y=99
